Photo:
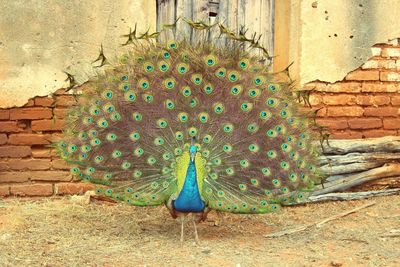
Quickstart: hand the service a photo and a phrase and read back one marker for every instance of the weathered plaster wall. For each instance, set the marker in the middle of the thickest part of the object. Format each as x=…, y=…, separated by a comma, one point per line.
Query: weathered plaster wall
x=327, y=39
x=41, y=38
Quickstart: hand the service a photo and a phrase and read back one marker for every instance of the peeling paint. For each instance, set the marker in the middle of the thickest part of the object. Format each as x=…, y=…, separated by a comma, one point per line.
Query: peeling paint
x=328, y=39
x=325, y=39
x=39, y=39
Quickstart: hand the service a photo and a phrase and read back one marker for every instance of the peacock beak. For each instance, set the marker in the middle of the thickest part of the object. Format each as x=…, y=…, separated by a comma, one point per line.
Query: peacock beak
x=192, y=151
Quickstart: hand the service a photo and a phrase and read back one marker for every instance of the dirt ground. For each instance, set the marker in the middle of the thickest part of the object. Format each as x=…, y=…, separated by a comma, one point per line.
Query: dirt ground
x=61, y=232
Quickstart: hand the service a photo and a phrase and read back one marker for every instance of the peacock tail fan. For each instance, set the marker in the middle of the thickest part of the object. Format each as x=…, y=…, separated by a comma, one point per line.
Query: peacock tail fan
x=132, y=130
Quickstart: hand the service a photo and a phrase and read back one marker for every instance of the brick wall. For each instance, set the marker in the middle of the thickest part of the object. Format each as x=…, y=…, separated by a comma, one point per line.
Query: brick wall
x=28, y=167
x=367, y=102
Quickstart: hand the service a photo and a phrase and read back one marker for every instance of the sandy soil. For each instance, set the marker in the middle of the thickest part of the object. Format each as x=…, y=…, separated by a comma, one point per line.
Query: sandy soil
x=60, y=232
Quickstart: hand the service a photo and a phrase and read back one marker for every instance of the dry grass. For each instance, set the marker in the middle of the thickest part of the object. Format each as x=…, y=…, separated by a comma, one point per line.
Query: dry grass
x=58, y=232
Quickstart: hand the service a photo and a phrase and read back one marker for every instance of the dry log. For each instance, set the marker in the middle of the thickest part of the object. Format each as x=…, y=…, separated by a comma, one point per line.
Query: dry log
x=378, y=184
x=349, y=168
x=353, y=195
x=349, y=163
x=383, y=144
x=358, y=157
x=388, y=170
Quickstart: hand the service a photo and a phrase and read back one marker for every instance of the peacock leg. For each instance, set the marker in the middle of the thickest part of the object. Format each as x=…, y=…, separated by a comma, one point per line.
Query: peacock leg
x=182, y=221
x=196, y=236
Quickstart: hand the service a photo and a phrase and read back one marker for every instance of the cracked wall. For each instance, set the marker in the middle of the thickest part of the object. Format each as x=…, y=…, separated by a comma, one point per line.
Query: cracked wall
x=328, y=39
x=41, y=38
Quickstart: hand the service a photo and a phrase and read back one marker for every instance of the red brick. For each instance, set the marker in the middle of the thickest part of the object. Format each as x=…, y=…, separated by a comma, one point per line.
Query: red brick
x=29, y=139
x=9, y=127
x=32, y=190
x=56, y=137
x=380, y=87
x=61, y=91
x=44, y=101
x=365, y=123
x=379, y=63
x=4, y=165
x=321, y=112
x=314, y=85
x=339, y=99
x=346, y=135
x=352, y=111
x=390, y=76
x=395, y=100
x=65, y=100
x=41, y=152
x=60, y=113
x=17, y=177
x=30, y=103
x=381, y=112
x=376, y=51
x=47, y=125
x=15, y=151
x=378, y=133
x=30, y=113
x=315, y=99
x=4, y=190
x=3, y=139
x=4, y=114
x=72, y=188
x=59, y=164
x=318, y=112
x=336, y=124
x=50, y=176
x=372, y=100
x=340, y=87
x=391, y=123
x=363, y=75
x=29, y=164
x=391, y=52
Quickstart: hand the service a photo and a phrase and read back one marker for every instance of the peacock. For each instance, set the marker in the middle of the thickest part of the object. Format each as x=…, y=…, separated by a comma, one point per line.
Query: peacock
x=194, y=127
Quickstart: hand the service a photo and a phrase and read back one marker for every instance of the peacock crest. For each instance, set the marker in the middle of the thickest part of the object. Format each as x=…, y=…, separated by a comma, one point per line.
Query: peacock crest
x=167, y=104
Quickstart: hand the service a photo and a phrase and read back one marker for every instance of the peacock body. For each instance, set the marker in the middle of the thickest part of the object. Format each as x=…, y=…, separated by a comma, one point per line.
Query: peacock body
x=194, y=127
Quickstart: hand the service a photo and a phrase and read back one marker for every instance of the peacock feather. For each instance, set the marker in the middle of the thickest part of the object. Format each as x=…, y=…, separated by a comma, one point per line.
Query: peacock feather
x=192, y=122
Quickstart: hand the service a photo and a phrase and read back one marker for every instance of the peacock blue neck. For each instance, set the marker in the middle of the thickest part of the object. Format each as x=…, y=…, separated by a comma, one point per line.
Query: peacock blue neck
x=189, y=199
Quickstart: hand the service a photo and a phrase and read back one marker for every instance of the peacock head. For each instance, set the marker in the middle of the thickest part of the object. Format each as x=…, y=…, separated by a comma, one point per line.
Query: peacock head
x=193, y=149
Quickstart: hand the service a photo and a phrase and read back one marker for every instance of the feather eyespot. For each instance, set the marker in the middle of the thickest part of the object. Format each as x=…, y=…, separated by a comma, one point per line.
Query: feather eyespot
x=182, y=68
x=208, y=88
x=228, y=127
x=148, y=67
x=172, y=44
x=236, y=90
x=233, y=76
x=210, y=60
x=221, y=72
x=243, y=64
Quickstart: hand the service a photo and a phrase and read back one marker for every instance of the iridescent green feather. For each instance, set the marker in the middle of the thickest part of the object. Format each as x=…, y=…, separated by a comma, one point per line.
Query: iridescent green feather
x=139, y=118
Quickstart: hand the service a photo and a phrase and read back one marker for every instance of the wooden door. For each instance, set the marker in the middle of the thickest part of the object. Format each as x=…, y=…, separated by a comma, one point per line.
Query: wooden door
x=257, y=16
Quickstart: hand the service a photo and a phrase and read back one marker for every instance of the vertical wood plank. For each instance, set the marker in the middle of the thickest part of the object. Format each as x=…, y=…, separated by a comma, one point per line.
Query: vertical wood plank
x=257, y=16
x=252, y=20
x=241, y=13
x=200, y=13
x=267, y=25
x=165, y=15
x=184, y=9
x=222, y=18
